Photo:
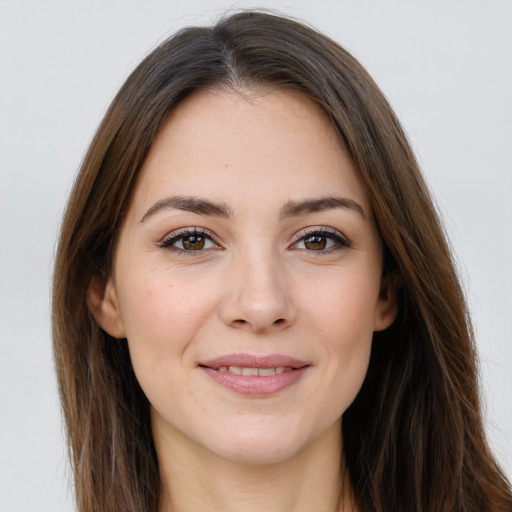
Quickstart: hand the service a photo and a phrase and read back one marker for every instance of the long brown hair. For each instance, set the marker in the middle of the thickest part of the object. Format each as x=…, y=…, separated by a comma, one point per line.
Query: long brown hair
x=413, y=437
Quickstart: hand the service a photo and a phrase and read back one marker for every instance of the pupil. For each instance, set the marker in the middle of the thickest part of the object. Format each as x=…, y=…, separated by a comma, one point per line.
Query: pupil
x=193, y=242
x=316, y=242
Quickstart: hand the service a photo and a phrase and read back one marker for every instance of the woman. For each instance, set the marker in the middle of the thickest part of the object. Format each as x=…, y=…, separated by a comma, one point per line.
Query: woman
x=254, y=303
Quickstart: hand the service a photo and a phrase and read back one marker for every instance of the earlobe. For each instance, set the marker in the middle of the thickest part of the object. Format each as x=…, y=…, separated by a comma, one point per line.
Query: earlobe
x=102, y=303
x=387, y=307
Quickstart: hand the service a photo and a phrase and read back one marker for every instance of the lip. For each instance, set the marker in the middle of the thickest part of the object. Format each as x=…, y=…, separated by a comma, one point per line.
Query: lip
x=252, y=361
x=254, y=385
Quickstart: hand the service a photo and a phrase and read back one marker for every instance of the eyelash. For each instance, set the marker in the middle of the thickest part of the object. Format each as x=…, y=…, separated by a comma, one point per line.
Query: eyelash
x=182, y=234
x=339, y=241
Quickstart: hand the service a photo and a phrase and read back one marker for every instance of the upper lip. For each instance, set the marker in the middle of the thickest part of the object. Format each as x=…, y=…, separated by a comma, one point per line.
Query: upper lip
x=252, y=361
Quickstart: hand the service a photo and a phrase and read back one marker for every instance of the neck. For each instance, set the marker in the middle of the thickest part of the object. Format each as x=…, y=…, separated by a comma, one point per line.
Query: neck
x=196, y=479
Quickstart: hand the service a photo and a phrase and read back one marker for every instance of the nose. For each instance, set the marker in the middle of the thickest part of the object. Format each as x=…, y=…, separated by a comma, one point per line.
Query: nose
x=258, y=295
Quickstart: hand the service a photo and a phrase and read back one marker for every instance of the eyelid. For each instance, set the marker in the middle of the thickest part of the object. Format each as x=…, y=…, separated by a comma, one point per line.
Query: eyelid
x=342, y=241
x=169, y=239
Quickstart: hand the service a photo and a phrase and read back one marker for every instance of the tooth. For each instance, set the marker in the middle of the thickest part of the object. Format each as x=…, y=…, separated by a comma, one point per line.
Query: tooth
x=222, y=368
x=249, y=371
x=266, y=371
x=279, y=369
x=235, y=369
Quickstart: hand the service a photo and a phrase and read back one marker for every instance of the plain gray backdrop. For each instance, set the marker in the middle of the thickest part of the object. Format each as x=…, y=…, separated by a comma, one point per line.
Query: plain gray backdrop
x=446, y=67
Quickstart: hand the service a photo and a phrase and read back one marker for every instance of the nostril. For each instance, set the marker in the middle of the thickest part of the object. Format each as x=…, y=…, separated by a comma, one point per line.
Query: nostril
x=279, y=321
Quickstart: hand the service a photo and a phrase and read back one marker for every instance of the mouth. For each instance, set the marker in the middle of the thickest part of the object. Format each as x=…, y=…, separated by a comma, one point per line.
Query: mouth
x=260, y=372
x=255, y=376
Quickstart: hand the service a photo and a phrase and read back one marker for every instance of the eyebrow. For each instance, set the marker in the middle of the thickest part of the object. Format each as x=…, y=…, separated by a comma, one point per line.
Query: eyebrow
x=190, y=204
x=203, y=206
x=295, y=208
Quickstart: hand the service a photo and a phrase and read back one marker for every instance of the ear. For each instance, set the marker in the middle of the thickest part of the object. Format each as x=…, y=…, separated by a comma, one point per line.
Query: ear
x=387, y=306
x=102, y=303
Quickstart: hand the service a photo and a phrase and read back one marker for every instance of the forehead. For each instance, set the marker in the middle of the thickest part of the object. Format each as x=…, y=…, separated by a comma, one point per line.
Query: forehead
x=234, y=144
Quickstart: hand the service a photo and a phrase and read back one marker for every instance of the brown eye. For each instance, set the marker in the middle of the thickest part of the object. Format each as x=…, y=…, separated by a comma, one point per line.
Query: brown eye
x=189, y=241
x=315, y=243
x=323, y=240
x=193, y=243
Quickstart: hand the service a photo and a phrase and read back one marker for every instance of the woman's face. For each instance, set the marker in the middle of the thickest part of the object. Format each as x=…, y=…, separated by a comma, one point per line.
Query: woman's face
x=247, y=277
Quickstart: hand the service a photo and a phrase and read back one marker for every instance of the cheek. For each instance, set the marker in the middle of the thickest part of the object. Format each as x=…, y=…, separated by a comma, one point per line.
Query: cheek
x=344, y=311
x=344, y=303
x=161, y=315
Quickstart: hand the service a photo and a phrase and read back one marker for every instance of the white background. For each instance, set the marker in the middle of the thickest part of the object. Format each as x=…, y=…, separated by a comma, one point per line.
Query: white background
x=446, y=67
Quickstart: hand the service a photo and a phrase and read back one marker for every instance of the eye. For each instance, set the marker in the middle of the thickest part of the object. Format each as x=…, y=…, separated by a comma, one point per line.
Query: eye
x=189, y=240
x=321, y=240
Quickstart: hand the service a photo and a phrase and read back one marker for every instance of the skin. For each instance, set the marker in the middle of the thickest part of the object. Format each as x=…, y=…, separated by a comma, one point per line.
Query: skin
x=259, y=286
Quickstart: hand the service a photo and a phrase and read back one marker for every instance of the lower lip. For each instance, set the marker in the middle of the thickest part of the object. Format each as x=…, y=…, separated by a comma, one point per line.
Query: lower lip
x=254, y=385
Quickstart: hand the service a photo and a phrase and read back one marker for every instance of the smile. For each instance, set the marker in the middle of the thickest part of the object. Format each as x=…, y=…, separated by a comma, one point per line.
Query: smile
x=261, y=372
x=254, y=376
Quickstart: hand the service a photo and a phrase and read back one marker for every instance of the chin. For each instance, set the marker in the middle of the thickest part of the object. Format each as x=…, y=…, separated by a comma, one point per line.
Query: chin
x=258, y=453
x=259, y=446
